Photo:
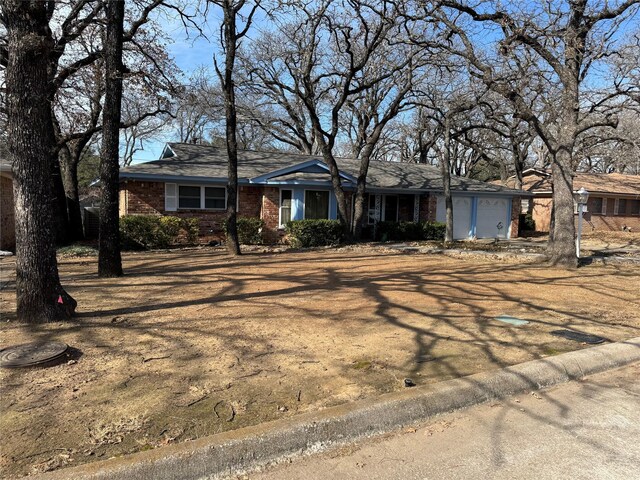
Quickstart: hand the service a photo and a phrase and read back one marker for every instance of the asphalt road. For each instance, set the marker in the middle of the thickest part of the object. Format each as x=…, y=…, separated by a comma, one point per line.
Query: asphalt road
x=580, y=430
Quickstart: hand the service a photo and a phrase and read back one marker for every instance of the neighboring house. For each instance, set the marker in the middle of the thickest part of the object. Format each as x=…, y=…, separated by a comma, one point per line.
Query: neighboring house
x=614, y=199
x=189, y=181
x=7, y=215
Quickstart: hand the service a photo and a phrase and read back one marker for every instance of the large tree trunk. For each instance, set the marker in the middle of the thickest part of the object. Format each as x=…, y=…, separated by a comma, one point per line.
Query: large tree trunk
x=561, y=248
x=59, y=203
x=338, y=190
x=445, y=168
x=40, y=297
x=232, y=241
x=361, y=189
x=69, y=171
x=109, y=259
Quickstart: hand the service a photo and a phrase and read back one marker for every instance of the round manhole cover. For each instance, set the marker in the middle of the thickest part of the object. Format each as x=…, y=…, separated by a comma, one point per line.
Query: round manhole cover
x=31, y=354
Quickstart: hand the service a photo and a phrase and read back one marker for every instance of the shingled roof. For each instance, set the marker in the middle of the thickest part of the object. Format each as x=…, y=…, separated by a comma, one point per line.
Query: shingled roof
x=188, y=161
x=607, y=183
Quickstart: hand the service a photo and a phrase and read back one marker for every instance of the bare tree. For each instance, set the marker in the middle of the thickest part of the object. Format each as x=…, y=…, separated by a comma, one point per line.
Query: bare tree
x=29, y=44
x=323, y=63
x=109, y=258
x=566, y=38
x=231, y=34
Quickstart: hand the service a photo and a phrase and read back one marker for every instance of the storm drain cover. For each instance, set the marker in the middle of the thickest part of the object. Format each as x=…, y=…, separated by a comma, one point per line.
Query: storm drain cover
x=31, y=354
x=578, y=336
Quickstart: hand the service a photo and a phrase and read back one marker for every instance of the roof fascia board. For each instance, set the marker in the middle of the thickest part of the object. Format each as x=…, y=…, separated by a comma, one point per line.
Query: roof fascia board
x=176, y=178
x=296, y=168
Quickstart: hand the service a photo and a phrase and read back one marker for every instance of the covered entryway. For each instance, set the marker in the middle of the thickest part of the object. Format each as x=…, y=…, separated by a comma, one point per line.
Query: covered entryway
x=493, y=217
x=462, y=208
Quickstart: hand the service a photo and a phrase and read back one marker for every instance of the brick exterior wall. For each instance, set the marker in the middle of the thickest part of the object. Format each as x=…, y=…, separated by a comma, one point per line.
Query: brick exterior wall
x=141, y=198
x=428, y=205
x=271, y=214
x=7, y=215
x=516, y=206
x=249, y=199
x=608, y=221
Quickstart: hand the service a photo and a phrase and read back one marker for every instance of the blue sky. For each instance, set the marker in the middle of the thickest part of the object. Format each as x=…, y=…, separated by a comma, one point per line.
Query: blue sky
x=190, y=52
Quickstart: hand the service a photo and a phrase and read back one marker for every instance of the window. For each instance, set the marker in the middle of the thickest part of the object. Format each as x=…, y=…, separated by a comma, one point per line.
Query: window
x=316, y=204
x=197, y=197
x=285, y=206
x=596, y=205
x=188, y=197
x=215, y=198
x=634, y=207
x=390, y=208
x=372, y=209
x=622, y=206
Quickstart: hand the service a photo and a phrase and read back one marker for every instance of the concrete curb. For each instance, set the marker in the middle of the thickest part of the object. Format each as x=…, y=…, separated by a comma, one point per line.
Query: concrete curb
x=251, y=447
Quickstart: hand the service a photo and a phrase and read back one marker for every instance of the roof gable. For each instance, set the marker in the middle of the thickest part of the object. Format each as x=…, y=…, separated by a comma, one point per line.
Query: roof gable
x=313, y=166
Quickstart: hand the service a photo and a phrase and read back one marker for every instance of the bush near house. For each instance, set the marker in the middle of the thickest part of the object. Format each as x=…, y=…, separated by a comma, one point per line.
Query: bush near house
x=526, y=223
x=315, y=233
x=433, y=230
x=142, y=232
x=249, y=230
x=395, y=231
x=409, y=231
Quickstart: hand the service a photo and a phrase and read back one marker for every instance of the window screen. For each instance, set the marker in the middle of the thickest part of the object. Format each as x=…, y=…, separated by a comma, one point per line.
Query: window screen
x=188, y=197
x=215, y=197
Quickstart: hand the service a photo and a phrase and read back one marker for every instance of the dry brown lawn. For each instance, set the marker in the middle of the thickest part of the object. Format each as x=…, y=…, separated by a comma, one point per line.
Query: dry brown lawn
x=193, y=342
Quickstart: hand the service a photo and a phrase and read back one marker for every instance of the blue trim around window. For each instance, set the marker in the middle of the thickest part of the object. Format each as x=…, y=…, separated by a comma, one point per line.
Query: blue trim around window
x=297, y=204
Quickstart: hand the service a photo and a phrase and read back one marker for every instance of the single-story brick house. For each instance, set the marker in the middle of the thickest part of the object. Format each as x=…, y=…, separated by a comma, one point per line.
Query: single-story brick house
x=7, y=214
x=189, y=181
x=614, y=199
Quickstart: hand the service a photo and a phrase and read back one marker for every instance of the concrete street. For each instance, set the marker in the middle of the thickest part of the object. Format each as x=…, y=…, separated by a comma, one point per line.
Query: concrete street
x=580, y=430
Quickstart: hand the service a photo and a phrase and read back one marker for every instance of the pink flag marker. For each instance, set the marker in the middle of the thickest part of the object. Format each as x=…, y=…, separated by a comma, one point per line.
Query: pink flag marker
x=60, y=299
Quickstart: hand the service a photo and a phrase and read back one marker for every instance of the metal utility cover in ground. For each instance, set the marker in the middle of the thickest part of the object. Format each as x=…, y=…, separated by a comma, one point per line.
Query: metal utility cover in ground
x=578, y=336
x=31, y=354
x=512, y=320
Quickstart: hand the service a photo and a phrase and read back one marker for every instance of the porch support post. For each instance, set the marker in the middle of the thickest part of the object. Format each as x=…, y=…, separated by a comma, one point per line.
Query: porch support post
x=376, y=215
x=416, y=208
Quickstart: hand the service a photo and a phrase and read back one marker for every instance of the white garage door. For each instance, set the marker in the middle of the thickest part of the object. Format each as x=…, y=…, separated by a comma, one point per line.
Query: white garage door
x=492, y=217
x=461, y=215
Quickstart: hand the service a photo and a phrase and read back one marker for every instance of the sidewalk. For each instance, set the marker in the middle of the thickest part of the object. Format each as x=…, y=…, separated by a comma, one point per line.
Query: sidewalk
x=579, y=430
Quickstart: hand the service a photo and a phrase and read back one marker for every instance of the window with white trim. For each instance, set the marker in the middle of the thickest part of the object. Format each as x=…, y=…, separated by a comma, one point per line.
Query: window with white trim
x=316, y=204
x=286, y=198
x=215, y=198
x=189, y=196
x=194, y=197
x=622, y=206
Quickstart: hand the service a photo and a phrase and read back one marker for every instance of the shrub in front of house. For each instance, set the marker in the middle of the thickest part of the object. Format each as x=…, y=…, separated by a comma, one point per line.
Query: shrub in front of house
x=315, y=233
x=526, y=223
x=249, y=230
x=142, y=232
x=409, y=231
x=433, y=230
x=399, y=231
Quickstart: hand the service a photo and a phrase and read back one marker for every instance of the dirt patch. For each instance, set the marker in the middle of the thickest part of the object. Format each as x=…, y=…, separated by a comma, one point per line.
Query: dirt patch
x=190, y=343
